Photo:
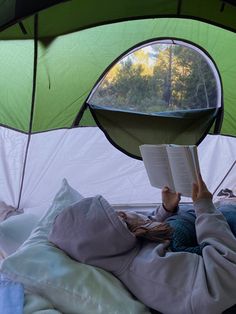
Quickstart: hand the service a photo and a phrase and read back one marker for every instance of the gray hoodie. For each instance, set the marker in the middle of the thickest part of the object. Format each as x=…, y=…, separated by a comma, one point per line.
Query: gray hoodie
x=182, y=283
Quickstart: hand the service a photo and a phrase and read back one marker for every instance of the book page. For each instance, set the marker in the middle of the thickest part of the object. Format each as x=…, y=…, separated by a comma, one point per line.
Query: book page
x=183, y=167
x=156, y=162
x=193, y=151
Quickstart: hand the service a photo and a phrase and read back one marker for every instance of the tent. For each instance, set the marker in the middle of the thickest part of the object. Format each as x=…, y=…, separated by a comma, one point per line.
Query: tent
x=53, y=56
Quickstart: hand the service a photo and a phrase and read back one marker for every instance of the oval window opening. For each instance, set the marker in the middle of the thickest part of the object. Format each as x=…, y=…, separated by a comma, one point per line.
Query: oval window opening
x=158, y=77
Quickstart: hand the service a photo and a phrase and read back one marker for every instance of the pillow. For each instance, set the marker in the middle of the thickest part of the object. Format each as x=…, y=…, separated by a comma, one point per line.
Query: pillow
x=38, y=305
x=14, y=231
x=70, y=286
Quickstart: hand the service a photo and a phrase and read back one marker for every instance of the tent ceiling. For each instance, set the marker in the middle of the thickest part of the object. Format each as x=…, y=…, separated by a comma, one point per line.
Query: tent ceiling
x=74, y=15
x=69, y=66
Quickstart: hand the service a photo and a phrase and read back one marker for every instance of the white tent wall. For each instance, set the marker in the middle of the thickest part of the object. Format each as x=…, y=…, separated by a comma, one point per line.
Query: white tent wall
x=90, y=164
x=93, y=166
x=13, y=146
x=217, y=159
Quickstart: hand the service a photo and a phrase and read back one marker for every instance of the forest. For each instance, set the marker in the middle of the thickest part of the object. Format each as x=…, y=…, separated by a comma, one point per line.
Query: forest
x=158, y=78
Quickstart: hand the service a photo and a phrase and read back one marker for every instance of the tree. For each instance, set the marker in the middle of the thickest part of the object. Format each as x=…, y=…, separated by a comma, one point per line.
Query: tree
x=162, y=77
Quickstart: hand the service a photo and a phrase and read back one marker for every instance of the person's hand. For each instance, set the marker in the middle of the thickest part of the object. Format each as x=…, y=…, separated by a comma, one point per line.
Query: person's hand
x=170, y=199
x=200, y=190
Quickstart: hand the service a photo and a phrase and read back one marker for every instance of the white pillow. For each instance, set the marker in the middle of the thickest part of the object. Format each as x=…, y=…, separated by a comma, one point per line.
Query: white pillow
x=70, y=286
x=14, y=231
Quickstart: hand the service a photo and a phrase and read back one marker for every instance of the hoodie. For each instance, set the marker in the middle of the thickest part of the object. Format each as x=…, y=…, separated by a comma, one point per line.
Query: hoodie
x=91, y=232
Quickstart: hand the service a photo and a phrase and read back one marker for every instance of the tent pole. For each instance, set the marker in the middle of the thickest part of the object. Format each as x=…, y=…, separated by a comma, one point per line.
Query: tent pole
x=226, y=175
x=32, y=106
x=179, y=7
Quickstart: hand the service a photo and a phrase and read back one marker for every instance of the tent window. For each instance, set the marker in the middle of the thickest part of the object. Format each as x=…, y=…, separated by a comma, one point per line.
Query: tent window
x=160, y=76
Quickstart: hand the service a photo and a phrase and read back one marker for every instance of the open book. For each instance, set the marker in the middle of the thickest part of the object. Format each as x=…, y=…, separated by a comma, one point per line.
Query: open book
x=175, y=166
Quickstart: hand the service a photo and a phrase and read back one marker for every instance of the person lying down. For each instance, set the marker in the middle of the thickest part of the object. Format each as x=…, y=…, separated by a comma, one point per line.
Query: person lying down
x=197, y=275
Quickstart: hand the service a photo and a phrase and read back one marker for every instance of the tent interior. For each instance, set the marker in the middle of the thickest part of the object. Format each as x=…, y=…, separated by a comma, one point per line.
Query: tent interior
x=54, y=57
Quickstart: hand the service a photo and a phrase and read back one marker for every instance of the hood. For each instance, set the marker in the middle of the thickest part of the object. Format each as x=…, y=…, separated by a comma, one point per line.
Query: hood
x=91, y=232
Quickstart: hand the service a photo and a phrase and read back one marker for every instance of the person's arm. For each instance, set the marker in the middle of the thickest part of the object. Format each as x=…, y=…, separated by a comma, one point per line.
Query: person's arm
x=170, y=205
x=205, y=209
x=214, y=288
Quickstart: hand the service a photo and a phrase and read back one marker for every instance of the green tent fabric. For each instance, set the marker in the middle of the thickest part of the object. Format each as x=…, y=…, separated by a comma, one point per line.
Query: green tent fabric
x=46, y=79
x=121, y=129
x=80, y=14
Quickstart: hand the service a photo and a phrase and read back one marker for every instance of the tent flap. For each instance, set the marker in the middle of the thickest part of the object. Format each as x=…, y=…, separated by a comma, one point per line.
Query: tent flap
x=128, y=130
